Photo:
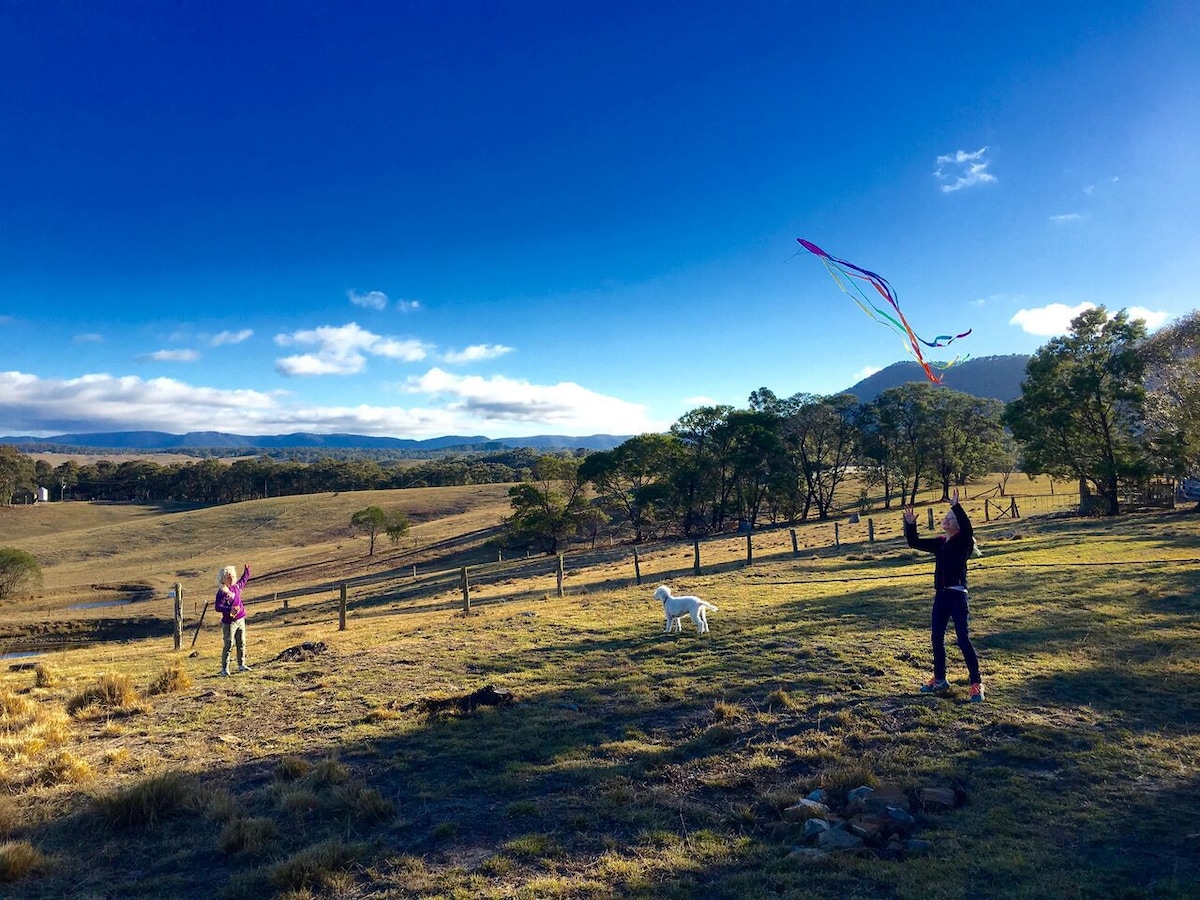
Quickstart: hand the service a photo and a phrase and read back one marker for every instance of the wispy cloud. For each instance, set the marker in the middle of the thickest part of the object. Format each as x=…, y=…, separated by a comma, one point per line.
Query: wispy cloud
x=170, y=356
x=340, y=350
x=88, y=338
x=405, y=306
x=1065, y=217
x=961, y=169
x=865, y=372
x=231, y=337
x=475, y=353
x=368, y=300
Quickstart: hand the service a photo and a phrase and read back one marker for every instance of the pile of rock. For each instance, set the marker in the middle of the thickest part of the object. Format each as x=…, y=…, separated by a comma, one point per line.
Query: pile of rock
x=877, y=821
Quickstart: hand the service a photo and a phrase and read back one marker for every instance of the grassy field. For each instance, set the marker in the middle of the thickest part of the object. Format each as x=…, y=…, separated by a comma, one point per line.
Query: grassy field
x=631, y=764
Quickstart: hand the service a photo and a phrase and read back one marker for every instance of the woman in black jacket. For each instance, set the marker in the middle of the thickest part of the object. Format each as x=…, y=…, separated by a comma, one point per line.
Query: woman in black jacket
x=951, y=552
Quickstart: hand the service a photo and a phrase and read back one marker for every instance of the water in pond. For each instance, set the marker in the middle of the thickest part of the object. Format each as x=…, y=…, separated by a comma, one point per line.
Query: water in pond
x=100, y=603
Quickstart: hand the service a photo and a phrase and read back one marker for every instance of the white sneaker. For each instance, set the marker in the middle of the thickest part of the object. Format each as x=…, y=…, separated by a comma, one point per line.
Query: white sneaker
x=224, y=673
x=243, y=668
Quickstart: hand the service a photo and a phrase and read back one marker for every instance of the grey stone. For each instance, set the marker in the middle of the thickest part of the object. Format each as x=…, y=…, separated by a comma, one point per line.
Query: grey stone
x=815, y=827
x=839, y=839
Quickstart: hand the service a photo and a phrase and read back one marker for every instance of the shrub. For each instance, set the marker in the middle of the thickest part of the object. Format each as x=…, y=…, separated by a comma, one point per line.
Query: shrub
x=154, y=799
x=43, y=676
x=291, y=768
x=362, y=803
x=18, y=570
x=246, y=835
x=20, y=858
x=171, y=680
x=65, y=768
x=314, y=866
x=10, y=816
x=110, y=692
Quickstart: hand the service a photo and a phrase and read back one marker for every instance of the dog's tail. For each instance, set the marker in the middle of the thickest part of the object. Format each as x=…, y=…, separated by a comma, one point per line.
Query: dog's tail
x=708, y=605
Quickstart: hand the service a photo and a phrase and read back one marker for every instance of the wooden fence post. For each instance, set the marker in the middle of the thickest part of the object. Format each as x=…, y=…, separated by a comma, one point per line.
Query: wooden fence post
x=1013, y=509
x=466, y=591
x=637, y=567
x=342, y=609
x=696, y=556
x=795, y=545
x=837, y=539
x=930, y=511
x=987, y=510
x=178, y=615
x=749, y=550
x=560, y=575
x=871, y=531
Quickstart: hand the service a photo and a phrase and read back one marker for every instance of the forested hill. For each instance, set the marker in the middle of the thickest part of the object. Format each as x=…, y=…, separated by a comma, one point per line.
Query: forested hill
x=998, y=377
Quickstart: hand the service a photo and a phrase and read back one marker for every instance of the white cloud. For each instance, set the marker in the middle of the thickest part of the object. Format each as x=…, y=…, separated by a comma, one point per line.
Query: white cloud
x=340, y=350
x=475, y=353
x=961, y=169
x=1153, y=319
x=697, y=402
x=231, y=337
x=369, y=300
x=170, y=356
x=865, y=372
x=408, y=305
x=1066, y=217
x=1055, y=319
x=1048, y=321
x=496, y=407
x=564, y=406
x=103, y=402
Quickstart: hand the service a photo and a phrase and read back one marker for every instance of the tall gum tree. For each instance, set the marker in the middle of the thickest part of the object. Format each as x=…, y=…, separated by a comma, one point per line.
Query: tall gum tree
x=1080, y=413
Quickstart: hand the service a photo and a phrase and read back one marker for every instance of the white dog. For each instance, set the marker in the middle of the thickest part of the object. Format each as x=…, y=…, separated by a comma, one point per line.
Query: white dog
x=675, y=608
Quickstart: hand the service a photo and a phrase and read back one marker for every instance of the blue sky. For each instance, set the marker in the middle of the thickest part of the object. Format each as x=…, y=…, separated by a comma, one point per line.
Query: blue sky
x=514, y=218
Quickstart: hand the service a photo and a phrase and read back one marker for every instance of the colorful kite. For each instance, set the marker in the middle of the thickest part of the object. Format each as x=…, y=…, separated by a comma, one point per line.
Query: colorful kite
x=846, y=274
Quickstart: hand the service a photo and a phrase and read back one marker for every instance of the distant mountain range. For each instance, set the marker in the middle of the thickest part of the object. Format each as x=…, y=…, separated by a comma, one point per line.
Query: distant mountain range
x=988, y=376
x=219, y=440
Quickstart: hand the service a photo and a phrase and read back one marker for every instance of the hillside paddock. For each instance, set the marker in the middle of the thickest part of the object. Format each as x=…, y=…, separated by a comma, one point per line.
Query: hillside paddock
x=630, y=763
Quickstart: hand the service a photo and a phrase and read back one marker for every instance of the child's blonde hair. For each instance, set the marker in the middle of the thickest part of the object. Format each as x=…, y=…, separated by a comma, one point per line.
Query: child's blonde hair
x=228, y=570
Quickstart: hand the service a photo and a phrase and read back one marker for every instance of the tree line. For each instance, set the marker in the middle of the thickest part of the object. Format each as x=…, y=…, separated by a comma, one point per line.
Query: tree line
x=1101, y=406
x=1104, y=406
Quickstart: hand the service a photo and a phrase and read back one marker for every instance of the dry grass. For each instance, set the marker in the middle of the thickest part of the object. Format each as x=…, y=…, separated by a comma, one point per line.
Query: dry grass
x=640, y=765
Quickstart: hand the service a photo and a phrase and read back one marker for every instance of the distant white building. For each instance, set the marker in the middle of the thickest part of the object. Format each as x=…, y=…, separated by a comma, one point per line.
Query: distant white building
x=43, y=494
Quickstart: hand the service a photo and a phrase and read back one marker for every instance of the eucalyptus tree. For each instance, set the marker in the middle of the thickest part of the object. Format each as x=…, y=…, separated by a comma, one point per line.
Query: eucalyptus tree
x=630, y=480
x=822, y=434
x=18, y=570
x=908, y=424
x=968, y=439
x=548, y=509
x=1172, y=377
x=1080, y=413
x=703, y=479
x=16, y=473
